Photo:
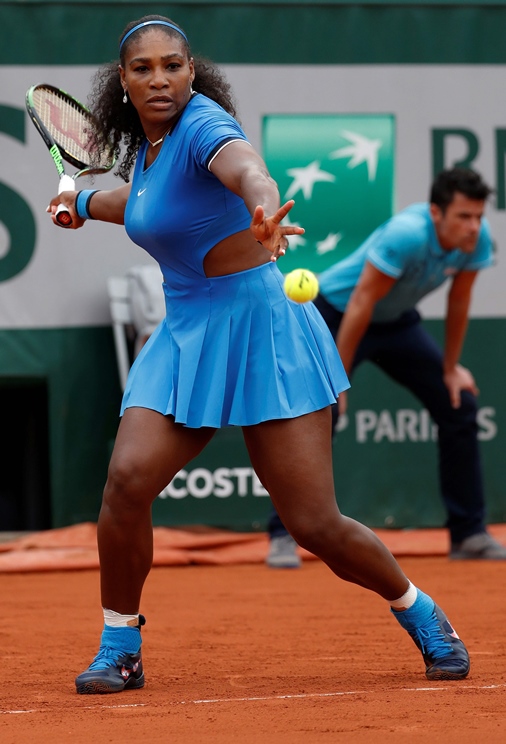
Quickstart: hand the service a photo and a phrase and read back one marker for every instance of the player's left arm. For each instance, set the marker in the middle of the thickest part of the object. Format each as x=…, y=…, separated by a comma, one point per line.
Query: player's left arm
x=457, y=377
x=241, y=169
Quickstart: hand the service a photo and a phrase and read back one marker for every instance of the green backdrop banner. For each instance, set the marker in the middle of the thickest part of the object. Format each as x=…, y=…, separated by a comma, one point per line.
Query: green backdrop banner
x=340, y=171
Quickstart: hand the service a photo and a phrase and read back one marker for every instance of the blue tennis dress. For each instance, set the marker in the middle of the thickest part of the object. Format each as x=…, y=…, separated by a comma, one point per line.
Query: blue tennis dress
x=232, y=350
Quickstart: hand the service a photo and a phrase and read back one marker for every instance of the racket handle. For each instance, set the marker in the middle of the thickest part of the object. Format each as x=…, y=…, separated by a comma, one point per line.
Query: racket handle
x=62, y=214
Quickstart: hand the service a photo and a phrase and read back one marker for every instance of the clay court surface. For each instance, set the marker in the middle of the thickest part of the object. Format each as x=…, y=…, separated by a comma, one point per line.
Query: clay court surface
x=243, y=653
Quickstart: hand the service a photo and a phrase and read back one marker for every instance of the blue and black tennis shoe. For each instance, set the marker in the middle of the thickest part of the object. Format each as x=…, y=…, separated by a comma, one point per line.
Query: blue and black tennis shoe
x=443, y=652
x=118, y=664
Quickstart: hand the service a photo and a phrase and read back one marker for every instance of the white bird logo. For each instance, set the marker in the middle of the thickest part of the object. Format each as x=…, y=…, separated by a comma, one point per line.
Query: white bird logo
x=362, y=150
x=329, y=243
x=305, y=178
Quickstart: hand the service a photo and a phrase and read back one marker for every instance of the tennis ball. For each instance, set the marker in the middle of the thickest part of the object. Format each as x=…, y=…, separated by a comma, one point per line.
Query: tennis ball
x=301, y=285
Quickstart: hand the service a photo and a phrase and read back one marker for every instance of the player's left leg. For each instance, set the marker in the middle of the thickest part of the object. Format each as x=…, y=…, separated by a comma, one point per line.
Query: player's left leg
x=282, y=547
x=293, y=460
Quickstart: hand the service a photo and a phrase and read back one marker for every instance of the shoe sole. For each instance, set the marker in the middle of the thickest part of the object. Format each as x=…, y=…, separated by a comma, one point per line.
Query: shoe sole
x=440, y=674
x=101, y=687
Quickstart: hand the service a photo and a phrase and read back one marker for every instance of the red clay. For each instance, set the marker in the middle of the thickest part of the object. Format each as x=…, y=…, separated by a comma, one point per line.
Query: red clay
x=252, y=655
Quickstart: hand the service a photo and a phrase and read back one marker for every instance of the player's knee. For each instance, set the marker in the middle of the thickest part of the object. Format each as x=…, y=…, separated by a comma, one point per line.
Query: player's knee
x=315, y=534
x=125, y=488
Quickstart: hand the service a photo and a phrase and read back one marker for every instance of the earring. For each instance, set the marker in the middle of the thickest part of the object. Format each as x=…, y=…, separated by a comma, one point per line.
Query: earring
x=191, y=89
x=125, y=99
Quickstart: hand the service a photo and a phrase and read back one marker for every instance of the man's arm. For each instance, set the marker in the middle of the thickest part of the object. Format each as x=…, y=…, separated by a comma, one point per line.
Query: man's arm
x=372, y=286
x=456, y=377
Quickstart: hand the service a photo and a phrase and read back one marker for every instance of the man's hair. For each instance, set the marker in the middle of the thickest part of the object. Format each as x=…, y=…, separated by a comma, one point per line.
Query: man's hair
x=462, y=180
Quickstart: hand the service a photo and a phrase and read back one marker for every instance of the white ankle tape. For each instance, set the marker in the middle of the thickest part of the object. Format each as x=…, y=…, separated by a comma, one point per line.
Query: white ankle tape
x=407, y=600
x=115, y=620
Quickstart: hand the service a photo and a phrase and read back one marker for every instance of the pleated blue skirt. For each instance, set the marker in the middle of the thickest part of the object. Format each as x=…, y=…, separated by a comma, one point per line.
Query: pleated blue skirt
x=235, y=351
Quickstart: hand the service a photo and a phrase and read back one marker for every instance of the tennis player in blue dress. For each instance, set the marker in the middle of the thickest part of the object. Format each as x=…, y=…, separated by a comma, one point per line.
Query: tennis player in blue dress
x=232, y=350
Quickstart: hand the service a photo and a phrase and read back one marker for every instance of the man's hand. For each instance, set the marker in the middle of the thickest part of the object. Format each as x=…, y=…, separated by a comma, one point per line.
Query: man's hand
x=457, y=379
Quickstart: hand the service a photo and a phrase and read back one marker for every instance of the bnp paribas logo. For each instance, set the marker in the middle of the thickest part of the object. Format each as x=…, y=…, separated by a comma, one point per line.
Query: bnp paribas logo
x=339, y=168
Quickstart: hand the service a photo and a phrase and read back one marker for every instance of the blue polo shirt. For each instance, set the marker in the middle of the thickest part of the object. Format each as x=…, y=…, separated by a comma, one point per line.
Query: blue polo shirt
x=406, y=248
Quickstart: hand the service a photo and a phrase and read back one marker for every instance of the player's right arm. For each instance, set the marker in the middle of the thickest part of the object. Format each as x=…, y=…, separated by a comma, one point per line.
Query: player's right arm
x=106, y=206
x=372, y=286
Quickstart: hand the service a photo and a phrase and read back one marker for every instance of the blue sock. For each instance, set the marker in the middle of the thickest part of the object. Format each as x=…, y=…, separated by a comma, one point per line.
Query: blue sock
x=125, y=639
x=418, y=613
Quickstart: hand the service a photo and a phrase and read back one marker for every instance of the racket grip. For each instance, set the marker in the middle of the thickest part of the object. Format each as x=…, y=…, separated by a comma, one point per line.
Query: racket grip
x=62, y=214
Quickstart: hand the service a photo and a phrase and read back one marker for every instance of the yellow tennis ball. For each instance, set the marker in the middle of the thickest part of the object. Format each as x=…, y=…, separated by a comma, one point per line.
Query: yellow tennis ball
x=301, y=285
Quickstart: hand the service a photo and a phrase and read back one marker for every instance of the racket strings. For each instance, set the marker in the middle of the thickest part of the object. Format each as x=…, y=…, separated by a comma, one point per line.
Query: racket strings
x=71, y=128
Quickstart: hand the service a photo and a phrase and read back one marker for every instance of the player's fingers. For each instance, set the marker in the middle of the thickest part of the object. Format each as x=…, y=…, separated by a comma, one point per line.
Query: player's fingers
x=283, y=211
x=76, y=221
x=279, y=250
x=292, y=230
x=53, y=204
x=258, y=216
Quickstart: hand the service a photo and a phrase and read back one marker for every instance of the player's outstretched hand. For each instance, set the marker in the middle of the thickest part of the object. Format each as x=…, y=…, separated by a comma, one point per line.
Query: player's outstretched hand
x=270, y=232
x=68, y=198
x=457, y=379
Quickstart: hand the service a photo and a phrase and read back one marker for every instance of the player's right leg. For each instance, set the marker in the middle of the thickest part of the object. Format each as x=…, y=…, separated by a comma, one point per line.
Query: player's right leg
x=149, y=450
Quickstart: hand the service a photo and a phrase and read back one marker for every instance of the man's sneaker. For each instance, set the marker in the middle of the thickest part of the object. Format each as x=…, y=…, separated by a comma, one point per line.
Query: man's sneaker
x=479, y=547
x=443, y=652
x=283, y=552
x=118, y=664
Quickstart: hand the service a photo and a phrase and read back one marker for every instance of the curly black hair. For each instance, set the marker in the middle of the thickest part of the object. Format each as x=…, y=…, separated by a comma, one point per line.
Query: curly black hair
x=119, y=123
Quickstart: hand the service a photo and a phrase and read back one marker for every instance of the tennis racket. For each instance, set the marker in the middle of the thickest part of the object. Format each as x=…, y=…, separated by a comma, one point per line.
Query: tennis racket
x=70, y=133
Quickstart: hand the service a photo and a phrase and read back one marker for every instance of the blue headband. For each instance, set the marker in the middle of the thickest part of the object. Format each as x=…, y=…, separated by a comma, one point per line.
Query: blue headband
x=149, y=23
